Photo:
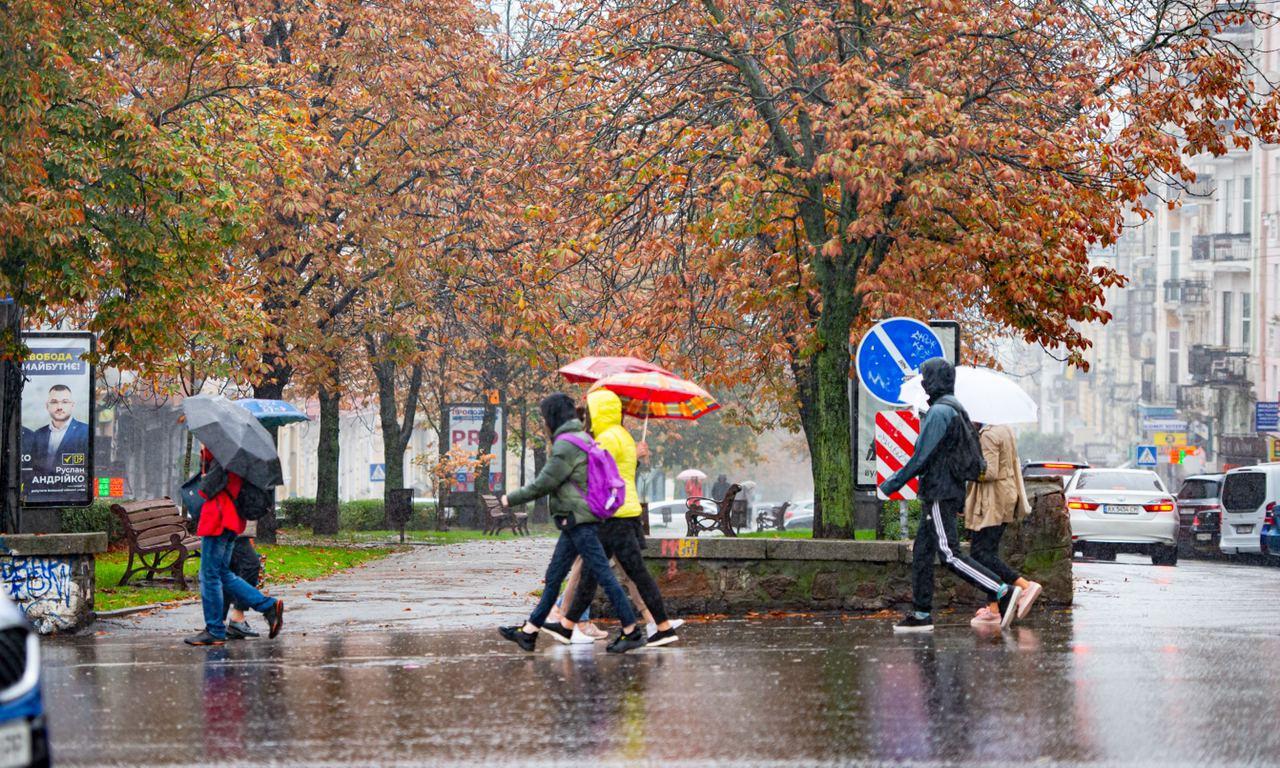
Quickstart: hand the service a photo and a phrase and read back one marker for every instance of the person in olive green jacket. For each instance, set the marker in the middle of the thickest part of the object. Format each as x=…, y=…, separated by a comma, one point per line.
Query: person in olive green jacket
x=564, y=481
x=623, y=534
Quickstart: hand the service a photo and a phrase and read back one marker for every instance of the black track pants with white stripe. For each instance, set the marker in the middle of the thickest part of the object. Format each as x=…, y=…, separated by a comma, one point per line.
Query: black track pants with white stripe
x=938, y=537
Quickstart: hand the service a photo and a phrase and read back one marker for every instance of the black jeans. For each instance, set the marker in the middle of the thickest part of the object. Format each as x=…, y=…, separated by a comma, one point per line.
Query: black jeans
x=985, y=548
x=574, y=542
x=247, y=564
x=938, y=537
x=618, y=537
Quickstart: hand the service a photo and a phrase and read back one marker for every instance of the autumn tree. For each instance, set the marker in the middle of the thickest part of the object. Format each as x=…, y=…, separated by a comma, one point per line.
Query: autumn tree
x=119, y=195
x=779, y=175
x=383, y=98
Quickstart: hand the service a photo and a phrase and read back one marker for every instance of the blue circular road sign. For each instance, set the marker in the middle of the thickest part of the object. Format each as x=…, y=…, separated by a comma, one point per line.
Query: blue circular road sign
x=891, y=352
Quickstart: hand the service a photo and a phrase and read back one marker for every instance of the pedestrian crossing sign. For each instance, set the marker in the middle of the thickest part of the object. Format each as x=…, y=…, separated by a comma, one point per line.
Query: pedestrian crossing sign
x=1146, y=456
x=377, y=473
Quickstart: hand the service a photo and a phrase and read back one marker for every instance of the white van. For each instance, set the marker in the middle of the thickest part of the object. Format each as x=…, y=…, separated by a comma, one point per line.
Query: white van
x=1249, y=494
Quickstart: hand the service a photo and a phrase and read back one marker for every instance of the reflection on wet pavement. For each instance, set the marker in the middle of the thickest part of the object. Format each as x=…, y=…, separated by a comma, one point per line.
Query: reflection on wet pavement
x=1154, y=665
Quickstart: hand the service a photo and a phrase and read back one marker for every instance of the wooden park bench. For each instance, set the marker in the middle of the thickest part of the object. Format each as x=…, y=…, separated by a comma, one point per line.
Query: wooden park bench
x=498, y=517
x=156, y=530
x=698, y=521
x=774, y=518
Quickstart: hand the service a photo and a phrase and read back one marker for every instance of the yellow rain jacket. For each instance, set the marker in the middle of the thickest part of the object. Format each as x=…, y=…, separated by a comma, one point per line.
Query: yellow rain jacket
x=606, y=424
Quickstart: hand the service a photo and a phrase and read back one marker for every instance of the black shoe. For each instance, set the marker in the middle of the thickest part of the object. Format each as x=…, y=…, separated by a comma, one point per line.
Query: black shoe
x=516, y=634
x=239, y=630
x=275, y=619
x=628, y=642
x=663, y=637
x=910, y=623
x=204, y=638
x=1009, y=606
x=556, y=630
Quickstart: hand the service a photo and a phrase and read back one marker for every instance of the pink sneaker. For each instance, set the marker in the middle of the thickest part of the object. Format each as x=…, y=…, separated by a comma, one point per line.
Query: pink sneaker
x=985, y=619
x=1028, y=599
x=592, y=631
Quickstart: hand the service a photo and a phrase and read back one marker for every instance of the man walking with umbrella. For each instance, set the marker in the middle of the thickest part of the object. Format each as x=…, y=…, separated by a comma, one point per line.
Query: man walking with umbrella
x=946, y=458
x=242, y=468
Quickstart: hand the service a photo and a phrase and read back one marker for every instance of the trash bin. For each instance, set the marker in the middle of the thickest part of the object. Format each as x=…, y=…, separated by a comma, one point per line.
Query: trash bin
x=399, y=509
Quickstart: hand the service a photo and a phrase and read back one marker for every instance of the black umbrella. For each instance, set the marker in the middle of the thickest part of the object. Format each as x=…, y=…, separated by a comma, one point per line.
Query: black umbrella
x=235, y=438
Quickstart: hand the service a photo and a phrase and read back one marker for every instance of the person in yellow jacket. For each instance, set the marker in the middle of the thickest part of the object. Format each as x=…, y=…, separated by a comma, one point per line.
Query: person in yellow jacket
x=623, y=534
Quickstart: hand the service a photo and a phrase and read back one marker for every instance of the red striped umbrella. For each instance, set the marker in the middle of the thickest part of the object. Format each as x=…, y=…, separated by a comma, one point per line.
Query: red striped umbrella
x=589, y=370
x=658, y=396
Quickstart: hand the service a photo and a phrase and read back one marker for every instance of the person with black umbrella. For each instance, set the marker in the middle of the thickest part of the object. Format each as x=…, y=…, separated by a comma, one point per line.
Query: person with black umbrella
x=242, y=465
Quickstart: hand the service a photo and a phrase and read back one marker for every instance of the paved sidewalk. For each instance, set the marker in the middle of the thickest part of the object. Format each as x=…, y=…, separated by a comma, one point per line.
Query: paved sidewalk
x=476, y=584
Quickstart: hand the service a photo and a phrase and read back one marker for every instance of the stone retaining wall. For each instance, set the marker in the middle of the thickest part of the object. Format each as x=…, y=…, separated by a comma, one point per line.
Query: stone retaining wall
x=737, y=575
x=51, y=577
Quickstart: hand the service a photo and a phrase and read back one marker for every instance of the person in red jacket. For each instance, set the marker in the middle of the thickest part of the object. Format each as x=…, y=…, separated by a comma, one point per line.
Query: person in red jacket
x=218, y=528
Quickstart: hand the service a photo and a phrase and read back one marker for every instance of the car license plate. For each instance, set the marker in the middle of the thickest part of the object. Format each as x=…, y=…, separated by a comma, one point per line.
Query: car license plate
x=1244, y=529
x=1122, y=509
x=1204, y=537
x=15, y=745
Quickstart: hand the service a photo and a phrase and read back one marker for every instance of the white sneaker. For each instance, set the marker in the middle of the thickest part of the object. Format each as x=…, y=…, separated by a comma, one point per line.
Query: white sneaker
x=581, y=638
x=651, y=629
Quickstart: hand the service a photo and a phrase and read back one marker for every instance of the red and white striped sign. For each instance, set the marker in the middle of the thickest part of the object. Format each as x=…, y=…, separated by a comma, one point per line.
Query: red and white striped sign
x=896, y=433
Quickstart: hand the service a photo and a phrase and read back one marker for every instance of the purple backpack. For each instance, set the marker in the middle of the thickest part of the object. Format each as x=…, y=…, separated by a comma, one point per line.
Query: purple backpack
x=605, y=491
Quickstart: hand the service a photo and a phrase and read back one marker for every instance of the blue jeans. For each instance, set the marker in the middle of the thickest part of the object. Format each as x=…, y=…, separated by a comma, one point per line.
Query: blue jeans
x=216, y=577
x=581, y=541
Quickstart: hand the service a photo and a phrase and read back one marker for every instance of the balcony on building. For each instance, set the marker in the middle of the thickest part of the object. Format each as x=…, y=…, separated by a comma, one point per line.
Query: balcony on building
x=1187, y=294
x=1224, y=252
x=1218, y=366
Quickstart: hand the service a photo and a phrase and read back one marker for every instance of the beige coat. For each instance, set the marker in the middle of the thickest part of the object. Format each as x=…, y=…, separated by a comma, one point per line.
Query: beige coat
x=999, y=496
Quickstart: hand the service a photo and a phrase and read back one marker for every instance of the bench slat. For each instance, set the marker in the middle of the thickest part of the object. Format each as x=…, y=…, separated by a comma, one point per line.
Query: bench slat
x=141, y=518
x=145, y=531
x=161, y=536
x=130, y=507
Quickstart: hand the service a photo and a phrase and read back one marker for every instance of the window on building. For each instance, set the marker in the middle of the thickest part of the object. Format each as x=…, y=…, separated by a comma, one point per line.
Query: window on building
x=1228, y=203
x=1173, y=367
x=1275, y=179
x=1175, y=255
x=1246, y=320
x=1246, y=204
x=1226, y=319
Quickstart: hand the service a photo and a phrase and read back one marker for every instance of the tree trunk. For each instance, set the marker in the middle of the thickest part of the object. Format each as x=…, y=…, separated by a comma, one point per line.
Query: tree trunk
x=10, y=422
x=395, y=434
x=488, y=436
x=541, y=512
x=325, y=518
x=827, y=422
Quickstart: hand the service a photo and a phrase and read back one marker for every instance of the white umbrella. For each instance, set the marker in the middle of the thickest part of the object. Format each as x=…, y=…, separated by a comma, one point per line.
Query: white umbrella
x=692, y=473
x=989, y=396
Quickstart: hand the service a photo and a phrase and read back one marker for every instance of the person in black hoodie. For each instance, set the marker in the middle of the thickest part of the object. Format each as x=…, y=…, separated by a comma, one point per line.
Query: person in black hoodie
x=942, y=497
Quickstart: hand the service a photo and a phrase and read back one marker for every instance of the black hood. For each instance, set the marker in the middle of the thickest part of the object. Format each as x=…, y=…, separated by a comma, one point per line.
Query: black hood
x=939, y=378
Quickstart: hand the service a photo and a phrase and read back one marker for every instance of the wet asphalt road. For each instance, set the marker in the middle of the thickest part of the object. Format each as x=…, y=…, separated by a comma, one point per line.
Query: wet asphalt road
x=1154, y=666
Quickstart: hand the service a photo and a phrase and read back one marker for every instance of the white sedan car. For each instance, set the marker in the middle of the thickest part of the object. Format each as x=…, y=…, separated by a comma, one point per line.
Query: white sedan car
x=666, y=518
x=1122, y=510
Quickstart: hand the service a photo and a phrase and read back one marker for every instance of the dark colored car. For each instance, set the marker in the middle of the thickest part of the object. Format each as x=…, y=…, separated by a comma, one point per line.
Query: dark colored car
x=23, y=739
x=1033, y=470
x=1199, y=503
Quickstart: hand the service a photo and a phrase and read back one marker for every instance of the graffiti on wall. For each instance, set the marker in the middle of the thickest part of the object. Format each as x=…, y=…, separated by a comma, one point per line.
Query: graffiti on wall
x=45, y=589
x=676, y=548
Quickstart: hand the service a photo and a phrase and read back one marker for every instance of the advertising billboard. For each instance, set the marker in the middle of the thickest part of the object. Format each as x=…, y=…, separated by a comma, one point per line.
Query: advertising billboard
x=465, y=421
x=57, y=420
